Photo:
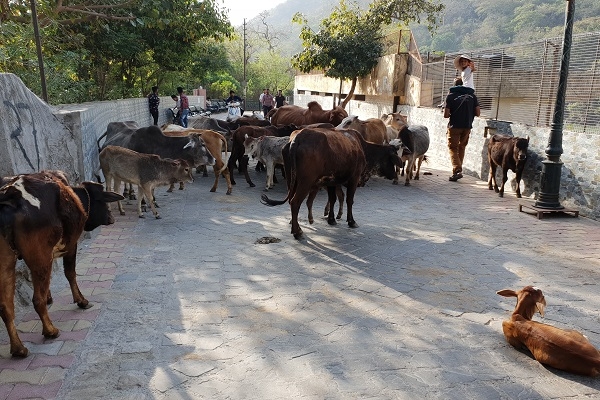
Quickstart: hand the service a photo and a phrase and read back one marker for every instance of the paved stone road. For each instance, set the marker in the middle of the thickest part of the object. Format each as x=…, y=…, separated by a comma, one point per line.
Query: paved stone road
x=403, y=307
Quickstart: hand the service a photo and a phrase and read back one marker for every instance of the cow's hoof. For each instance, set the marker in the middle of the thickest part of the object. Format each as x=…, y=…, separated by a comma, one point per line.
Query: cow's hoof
x=298, y=235
x=169, y=190
x=394, y=182
x=157, y=216
x=181, y=188
x=406, y=183
x=491, y=188
x=213, y=190
x=331, y=221
x=519, y=195
x=352, y=224
x=19, y=351
x=416, y=178
x=228, y=191
x=122, y=212
x=497, y=190
x=204, y=175
x=142, y=216
x=52, y=334
x=311, y=221
x=85, y=305
x=252, y=184
x=266, y=189
x=339, y=216
x=501, y=194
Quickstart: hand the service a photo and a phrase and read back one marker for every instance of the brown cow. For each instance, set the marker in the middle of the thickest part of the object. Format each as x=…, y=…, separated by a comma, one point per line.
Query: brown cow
x=298, y=116
x=567, y=350
x=372, y=129
x=509, y=153
x=145, y=170
x=41, y=218
x=317, y=157
x=215, y=143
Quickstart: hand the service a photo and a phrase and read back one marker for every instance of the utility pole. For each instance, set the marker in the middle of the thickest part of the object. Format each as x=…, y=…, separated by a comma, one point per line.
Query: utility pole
x=244, y=83
x=38, y=45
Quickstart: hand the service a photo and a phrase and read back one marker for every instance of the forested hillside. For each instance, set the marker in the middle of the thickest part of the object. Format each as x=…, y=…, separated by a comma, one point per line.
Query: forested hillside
x=466, y=24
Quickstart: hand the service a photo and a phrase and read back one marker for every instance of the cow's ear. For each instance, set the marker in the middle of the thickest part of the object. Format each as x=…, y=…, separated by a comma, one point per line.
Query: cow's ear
x=175, y=163
x=507, y=293
x=110, y=197
x=527, y=138
x=245, y=136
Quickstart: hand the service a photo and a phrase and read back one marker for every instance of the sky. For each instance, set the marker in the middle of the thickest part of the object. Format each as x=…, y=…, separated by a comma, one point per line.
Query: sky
x=240, y=9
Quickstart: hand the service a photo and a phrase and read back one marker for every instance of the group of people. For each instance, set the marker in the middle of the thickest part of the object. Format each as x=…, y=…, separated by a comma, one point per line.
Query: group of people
x=268, y=101
x=181, y=110
x=461, y=107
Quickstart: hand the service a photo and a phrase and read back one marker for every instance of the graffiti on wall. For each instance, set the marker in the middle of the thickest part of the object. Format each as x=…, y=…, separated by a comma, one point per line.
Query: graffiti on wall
x=20, y=134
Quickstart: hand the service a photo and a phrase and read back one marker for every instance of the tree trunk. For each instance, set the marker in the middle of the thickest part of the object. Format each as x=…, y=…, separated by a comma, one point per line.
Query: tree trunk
x=350, y=93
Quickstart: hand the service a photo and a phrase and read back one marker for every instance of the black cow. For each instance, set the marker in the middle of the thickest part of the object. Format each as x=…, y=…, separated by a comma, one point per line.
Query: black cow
x=41, y=218
x=509, y=153
x=317, y=157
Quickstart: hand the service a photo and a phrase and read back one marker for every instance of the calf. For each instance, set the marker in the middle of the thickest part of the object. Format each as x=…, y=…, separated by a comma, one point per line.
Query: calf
x=416, y=139
x=267, y=150
x=145, y=170
x=215, y=143
x=317, y=157
x=509, y=153
x=567, y=350
x=394, y=122
x=238, y=149
x=41, y=218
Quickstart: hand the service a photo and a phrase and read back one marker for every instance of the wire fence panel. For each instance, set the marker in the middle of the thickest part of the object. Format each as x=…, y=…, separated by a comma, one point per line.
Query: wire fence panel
x=518, y=83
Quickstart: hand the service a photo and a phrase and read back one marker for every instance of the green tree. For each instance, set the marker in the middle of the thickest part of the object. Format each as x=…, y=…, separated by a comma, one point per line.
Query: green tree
x=348, y=43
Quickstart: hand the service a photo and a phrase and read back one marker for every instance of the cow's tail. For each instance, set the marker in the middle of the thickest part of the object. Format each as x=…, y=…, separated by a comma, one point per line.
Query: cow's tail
x=99, y=139
x=270, y=202
x=289, y=165
x=224, y=143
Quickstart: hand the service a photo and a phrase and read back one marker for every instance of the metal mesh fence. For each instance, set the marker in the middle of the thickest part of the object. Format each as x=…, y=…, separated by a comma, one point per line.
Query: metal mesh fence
x=518, y=83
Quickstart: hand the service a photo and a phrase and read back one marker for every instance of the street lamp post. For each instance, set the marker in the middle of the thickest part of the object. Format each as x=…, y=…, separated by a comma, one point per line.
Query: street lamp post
x=548, y=198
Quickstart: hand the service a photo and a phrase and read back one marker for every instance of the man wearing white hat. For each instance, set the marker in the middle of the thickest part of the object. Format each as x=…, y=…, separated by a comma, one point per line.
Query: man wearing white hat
x=466, y=66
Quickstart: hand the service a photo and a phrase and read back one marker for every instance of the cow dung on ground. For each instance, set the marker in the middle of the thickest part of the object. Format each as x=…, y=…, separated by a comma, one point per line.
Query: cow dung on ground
x=267, y=240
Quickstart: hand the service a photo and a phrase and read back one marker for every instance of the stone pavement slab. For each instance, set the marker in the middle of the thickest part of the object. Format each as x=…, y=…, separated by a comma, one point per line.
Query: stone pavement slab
x=402, y=307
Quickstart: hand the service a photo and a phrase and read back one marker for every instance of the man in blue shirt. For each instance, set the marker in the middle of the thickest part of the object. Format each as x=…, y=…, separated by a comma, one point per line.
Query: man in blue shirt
x=461, y=107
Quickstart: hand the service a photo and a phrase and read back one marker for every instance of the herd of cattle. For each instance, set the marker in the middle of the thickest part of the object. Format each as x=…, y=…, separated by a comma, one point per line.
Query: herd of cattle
x=42, y=216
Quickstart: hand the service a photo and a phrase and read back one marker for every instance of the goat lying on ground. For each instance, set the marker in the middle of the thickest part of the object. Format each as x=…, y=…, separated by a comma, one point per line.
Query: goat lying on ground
x=567, y=350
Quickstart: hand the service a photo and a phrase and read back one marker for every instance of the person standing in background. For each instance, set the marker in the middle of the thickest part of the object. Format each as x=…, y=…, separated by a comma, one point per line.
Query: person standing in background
x=260, y=99
x=466, y=66
x=268, y=102
x=153, y=102
x=279, y=99
x=176, y=110
x=461, y=108
x=184, y=107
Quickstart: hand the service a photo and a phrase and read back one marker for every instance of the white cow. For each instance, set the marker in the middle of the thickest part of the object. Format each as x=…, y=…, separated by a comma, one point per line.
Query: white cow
x=267, y=150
